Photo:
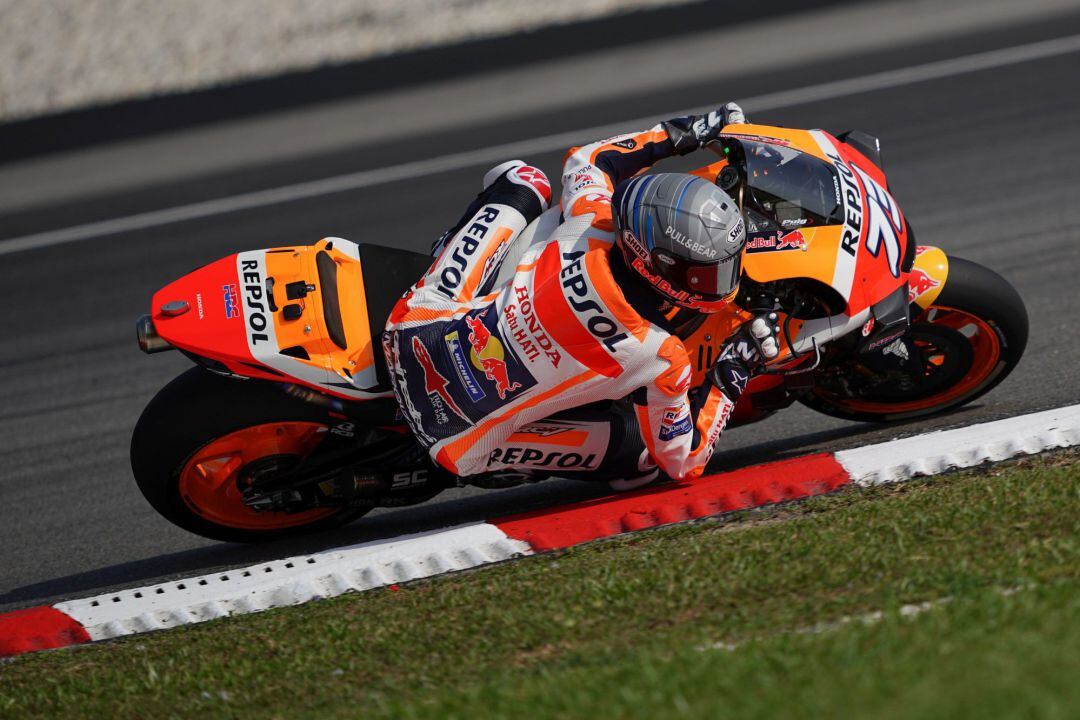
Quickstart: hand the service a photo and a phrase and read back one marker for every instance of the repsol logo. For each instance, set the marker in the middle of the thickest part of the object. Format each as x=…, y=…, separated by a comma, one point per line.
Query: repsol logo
x=254, y=297
x=576, y=291
x=531, y=457
x=463, y=249
x=853, y=211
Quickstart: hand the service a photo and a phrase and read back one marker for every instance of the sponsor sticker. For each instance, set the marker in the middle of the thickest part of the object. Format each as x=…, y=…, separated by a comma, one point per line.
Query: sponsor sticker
x=526, y=331
x=435, y=385
x=562, y=444
x=897, y=348
x=232, y=301
x=489, y=356
x=259, y=325
x=534, y=457
x=462, y=367
x=675, y=422
x=693, y=245
x=919, y=282
x=736, y=231
x=794, y=240
x=853, y=210
x=534, y=178
x=595, y=317
x=463, y=250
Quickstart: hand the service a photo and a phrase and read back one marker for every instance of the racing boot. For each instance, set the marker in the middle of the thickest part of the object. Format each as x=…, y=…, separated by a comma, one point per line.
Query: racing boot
x=650, y=474
x=635, y=483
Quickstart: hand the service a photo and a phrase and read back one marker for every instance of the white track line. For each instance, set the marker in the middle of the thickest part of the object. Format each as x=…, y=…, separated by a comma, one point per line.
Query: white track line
x=873, y=617
x=548, y=143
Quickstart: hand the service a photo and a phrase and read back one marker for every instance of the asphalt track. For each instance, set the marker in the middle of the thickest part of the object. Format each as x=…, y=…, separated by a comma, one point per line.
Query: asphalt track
x=984, y=164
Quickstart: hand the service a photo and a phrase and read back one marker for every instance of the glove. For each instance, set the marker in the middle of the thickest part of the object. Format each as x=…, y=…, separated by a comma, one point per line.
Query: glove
x=690, y=132
x=745, y=354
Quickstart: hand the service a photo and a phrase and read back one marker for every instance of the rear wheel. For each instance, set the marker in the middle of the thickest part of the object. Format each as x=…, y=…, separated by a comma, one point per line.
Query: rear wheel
x=203, y=438
x=969, y=340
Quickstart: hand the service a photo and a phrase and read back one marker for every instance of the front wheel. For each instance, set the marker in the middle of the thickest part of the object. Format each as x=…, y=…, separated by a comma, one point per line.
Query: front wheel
x=203, y=436
x=969, y=340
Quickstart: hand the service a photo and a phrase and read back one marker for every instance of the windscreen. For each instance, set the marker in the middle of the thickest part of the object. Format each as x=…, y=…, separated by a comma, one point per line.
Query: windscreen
x=793, y=188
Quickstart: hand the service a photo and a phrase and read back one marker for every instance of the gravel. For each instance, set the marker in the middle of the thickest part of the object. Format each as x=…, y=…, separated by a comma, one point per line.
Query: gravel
x=63, y=54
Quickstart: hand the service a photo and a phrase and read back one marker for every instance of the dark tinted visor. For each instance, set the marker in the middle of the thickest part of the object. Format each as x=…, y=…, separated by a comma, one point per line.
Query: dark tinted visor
x=712, y=281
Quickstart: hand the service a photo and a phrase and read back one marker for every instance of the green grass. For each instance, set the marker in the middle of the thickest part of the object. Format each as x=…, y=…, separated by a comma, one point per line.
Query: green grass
x=705, y=620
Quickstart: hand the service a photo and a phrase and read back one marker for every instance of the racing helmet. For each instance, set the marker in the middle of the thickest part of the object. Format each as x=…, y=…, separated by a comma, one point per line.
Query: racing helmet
x=683, y=235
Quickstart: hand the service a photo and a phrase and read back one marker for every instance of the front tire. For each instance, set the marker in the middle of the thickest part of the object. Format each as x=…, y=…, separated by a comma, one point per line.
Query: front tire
x=975, y=331
x=196, y=437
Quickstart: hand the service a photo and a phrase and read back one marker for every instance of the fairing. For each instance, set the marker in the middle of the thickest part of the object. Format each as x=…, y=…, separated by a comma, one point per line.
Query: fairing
x=249, y=317
x=861, y=256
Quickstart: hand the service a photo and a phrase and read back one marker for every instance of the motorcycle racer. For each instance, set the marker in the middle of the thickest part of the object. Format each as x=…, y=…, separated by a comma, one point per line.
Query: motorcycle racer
x=586, y=315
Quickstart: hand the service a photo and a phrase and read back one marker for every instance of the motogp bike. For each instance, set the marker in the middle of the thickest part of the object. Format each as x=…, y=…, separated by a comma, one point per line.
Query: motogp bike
x=287, y=424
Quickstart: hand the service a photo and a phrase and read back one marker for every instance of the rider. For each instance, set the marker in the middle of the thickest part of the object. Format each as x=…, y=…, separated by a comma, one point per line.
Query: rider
x=579, y=321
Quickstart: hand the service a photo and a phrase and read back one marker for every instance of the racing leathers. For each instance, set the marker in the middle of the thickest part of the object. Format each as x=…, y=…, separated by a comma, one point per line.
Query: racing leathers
x=473, y=363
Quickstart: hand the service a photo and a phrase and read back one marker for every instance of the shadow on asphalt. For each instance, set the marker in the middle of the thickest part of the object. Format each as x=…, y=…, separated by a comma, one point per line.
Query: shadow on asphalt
x=394, y=523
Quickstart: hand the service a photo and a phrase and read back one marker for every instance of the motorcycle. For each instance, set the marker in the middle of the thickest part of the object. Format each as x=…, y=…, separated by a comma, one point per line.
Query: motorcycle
x=288, y=424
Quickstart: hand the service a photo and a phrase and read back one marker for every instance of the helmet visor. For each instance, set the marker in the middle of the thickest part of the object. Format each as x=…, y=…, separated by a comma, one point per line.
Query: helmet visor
x=712, y=281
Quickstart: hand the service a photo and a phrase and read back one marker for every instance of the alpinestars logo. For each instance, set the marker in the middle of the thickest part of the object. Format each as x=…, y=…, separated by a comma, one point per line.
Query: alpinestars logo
x=534, y=178
x=897, y=348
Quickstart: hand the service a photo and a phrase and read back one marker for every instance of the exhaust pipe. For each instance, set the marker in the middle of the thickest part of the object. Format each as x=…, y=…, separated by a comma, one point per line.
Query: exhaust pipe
x=149, y=340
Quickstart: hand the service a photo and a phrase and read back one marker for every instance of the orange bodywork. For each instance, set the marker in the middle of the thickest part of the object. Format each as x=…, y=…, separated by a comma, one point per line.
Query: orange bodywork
x=287, y=265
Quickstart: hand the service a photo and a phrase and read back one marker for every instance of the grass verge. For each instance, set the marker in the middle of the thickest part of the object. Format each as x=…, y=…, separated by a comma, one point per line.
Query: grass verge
x=631, y=627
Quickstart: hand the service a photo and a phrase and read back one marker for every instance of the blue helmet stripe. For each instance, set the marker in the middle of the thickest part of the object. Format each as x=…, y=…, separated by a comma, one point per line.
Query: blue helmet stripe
x=645, y=181
x=678, y=203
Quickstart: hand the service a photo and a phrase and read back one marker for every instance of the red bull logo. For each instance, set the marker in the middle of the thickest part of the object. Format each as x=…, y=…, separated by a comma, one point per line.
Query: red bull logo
x=918, y=283
x=488, y=355
x=793, y=240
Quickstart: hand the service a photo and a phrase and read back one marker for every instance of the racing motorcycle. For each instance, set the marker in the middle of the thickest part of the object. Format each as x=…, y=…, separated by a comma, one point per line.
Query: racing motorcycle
x=288, y=423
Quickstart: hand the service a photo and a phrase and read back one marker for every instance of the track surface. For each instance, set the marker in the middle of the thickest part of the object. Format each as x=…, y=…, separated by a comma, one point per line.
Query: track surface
x=984, y=165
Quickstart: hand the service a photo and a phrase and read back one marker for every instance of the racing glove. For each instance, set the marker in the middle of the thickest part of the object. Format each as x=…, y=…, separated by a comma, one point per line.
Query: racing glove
x=745, y=354
x=690, y=132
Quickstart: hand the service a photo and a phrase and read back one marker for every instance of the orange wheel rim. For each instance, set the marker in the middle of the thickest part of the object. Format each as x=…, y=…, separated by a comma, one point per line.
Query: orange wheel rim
x=208, y=481
x=986, y=358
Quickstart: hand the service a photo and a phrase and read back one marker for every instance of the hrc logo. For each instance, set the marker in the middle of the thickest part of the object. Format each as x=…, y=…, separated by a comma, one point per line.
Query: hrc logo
x=232, y=306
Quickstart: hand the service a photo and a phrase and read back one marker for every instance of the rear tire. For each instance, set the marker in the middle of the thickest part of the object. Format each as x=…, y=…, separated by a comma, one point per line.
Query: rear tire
x=197, y=409
x=970, y=290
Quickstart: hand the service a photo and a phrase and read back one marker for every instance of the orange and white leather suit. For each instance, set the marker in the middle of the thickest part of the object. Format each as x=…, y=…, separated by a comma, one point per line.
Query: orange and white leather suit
x=472, y=363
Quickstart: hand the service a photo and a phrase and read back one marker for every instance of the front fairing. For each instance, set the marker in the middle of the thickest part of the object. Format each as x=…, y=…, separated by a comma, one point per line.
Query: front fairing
x=837, y=225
